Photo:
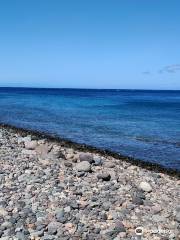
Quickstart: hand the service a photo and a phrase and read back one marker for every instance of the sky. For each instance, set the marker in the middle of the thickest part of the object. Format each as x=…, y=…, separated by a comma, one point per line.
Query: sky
x=124, y=44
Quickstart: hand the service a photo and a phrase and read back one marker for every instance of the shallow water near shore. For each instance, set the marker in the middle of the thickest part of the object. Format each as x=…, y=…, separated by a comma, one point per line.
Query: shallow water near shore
x=139, y=124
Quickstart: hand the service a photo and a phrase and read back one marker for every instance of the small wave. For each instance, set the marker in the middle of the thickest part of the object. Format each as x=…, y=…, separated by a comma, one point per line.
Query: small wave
x=152, y=140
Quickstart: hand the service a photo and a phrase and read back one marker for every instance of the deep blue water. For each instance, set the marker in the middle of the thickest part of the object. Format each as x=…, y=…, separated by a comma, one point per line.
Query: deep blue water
x=140, y=124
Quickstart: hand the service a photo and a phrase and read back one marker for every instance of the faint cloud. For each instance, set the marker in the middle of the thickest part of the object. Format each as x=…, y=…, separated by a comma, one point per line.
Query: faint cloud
x=170, y=69
x=146, y=73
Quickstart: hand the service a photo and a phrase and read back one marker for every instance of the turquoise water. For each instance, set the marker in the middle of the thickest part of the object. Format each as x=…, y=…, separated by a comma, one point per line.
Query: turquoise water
x=140, y=124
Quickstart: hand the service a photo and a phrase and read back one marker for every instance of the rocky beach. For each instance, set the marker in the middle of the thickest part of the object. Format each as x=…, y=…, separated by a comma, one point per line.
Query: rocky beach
x=52, y=190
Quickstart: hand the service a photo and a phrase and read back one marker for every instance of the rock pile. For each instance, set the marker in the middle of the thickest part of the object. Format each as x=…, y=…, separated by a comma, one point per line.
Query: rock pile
x=50, y=192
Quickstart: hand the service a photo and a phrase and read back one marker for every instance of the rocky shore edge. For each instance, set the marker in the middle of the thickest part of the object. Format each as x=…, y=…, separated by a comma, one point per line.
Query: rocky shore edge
x=155, y=167
x=51, y=188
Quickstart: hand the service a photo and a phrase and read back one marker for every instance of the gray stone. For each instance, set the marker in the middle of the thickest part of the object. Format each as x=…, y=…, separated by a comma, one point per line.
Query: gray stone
x=86, y=157
x=98, y=161
x=137, y=200
x=83, y=166
x=109, y=164
x=119, y=226
x=158, y=218
x=104, y=176
x=48, y=237
x=53, y=227
x=61, y=219
x=60, y=216
x=67, y=164
x=21, y=236
x=60, y=212
x=67, y=209
x=6, y=225
x=36, y=234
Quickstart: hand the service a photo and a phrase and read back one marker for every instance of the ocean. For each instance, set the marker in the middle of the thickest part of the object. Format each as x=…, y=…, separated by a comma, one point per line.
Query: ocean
x=136, y=123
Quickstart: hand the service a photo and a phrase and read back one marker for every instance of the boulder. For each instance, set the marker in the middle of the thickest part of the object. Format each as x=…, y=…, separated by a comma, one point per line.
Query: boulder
x=86, y=157
x=83, y=166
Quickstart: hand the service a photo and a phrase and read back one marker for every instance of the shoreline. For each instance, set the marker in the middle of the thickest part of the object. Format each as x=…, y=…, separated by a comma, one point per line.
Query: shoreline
x=155, y=167
x=52, y=189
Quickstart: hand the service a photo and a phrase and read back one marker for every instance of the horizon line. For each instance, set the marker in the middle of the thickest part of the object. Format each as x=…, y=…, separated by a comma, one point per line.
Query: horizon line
x=80, y=88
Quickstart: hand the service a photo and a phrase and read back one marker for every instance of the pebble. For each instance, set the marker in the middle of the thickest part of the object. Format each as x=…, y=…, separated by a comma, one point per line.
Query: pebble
x=137, y=200
x=104, y=176
x=86, y=157
x=98, y=161
x=145, y=186
x=3, y=212
x=53, y=227
x=84, y=166
x=30, y=145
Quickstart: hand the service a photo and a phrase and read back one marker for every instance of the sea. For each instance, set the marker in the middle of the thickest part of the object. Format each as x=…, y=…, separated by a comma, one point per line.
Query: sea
x=142, y=124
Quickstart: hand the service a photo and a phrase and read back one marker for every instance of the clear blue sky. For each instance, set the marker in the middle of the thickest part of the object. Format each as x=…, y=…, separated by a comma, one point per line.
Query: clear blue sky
x=90, y=43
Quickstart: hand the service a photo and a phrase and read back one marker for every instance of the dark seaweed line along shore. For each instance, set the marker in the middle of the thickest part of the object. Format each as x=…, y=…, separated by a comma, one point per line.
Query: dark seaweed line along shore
x=104, y=152
x=56, y=189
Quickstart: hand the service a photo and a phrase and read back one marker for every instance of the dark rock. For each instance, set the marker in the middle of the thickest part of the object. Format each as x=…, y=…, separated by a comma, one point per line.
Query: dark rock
x=80, y=174
x=137, y=200
x=68, y=164
x=103, y=216
x=97, y=230
x=119, y=226
x=61, y=219
x=104, y=176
